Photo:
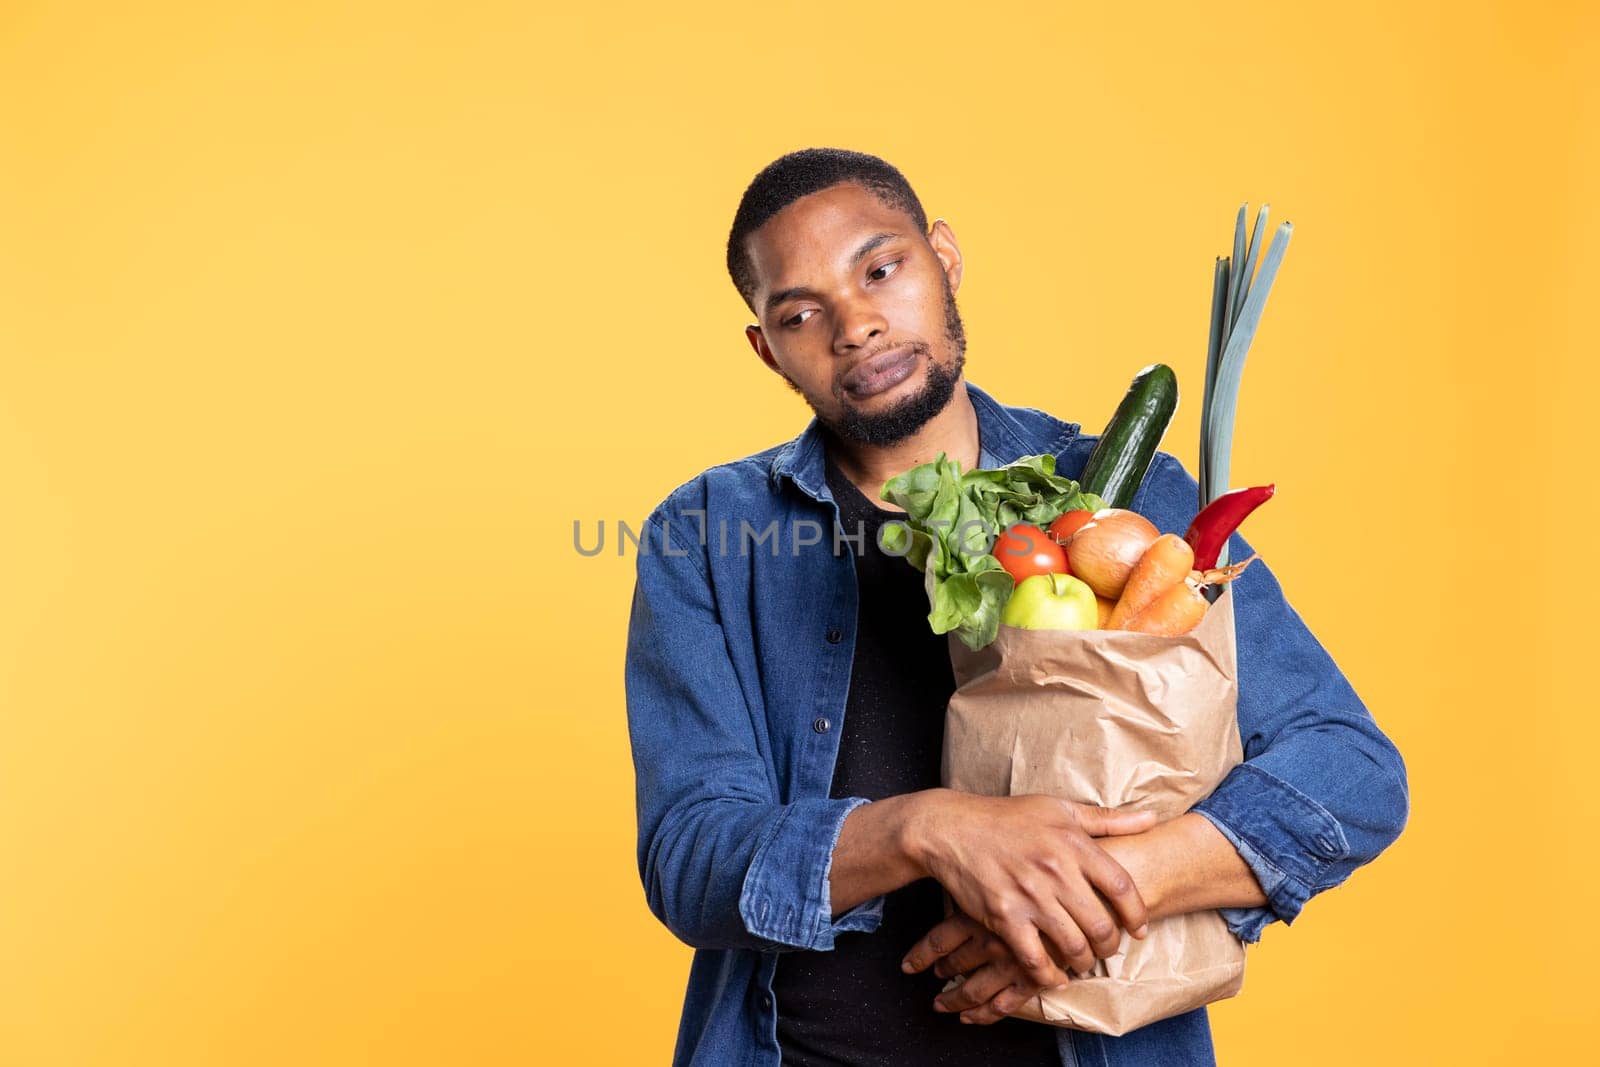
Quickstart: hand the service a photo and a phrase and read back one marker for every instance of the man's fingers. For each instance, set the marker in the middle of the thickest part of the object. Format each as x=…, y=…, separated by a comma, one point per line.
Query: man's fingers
x=1105, y=822
x=1093, y=919
x=1064, y=941
x=1029, y=950
x=979, y=988
x=945, y=938
x=1005, y=1002
x=978, y=950
x=1117, y=886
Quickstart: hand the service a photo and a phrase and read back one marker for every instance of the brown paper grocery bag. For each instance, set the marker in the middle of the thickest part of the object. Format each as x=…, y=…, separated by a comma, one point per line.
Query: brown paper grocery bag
x=1124, y=720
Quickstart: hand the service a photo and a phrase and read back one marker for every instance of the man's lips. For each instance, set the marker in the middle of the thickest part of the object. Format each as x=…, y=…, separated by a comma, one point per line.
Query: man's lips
x=880, y=372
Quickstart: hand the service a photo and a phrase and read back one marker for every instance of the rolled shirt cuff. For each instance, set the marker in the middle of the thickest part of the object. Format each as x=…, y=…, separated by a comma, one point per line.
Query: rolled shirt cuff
x=786, y=899
x=1286, y=838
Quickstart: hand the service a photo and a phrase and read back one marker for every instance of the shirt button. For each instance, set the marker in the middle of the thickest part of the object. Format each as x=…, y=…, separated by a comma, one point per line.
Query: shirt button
x=766, y=1002
x=834, y=637
x=821, y=725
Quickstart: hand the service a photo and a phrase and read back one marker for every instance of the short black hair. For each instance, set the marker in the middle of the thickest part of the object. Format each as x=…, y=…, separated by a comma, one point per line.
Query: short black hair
x=809, y=170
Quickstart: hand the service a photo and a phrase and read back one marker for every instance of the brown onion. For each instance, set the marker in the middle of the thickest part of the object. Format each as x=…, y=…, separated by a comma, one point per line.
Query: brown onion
x=1103, y=552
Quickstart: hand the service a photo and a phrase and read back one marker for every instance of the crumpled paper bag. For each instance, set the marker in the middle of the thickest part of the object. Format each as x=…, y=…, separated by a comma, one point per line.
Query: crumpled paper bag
x=1124, y=720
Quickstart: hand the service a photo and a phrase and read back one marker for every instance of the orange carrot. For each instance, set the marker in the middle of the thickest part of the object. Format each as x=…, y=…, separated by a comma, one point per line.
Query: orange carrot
x=1174, y=612
x=1165, y=563
x=1106, y=608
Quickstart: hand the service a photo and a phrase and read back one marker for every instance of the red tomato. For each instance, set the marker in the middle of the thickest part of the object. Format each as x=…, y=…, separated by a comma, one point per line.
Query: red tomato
x=1069, y=523
x=1025, y=550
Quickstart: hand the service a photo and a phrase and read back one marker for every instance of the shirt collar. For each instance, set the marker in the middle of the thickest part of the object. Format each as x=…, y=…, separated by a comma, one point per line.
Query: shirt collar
x=1003, y=436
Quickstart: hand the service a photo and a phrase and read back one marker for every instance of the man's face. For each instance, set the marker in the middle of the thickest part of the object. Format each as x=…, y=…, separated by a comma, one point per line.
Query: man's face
x=857, y=312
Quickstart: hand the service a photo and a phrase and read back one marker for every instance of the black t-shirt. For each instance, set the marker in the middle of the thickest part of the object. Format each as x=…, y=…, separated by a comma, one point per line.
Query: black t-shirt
x=853, y=1005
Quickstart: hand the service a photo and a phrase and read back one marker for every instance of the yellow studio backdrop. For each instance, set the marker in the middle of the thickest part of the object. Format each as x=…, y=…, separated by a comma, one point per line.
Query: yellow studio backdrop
x=321, y=324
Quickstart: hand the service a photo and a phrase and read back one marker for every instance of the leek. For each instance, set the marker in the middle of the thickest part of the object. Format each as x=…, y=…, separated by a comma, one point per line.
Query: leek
x=1238, y=297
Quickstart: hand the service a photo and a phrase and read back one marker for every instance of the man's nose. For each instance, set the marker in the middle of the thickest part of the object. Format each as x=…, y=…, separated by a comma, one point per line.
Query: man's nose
x=860, y=324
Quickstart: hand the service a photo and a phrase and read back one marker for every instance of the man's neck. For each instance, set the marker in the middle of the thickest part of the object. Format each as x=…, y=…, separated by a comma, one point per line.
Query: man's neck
x=954, y=431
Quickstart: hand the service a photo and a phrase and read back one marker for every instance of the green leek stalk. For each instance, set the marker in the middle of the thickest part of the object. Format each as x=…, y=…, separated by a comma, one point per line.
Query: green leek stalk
x=1238, y=297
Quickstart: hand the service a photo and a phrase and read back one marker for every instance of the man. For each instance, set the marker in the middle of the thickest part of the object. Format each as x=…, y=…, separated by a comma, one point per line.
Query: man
x=786, y=700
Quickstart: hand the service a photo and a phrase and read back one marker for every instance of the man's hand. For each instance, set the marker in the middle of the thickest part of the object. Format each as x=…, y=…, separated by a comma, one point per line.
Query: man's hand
x=995, y=984
x=957, y=945
x=1028, y=869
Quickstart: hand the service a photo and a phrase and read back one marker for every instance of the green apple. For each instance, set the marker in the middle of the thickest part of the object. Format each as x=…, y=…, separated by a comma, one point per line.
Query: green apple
x=1051, y=602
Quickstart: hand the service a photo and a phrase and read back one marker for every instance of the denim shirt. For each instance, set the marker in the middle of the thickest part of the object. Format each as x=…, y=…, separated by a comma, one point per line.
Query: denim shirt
x=740, y=640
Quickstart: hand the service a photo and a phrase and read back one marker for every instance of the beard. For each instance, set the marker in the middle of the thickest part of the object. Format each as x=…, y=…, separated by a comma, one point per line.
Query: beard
x=909, y=414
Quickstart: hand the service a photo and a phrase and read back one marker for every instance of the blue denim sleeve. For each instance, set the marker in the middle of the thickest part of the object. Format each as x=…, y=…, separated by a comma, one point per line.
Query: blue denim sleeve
x=724, y=864
x=1322, y=790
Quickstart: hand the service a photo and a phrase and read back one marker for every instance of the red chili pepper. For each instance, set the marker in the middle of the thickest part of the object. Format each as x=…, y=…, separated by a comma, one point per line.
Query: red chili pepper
x=1216, y=522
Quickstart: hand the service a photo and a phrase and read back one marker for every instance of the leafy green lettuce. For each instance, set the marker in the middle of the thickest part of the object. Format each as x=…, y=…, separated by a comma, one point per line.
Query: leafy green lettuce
x=952, y=520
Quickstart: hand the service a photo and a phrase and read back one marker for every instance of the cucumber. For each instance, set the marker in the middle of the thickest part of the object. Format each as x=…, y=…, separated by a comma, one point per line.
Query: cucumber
x=1123, y=454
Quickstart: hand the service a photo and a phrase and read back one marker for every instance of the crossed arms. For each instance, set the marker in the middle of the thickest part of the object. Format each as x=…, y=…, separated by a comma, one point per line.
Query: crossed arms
x=1041, y=885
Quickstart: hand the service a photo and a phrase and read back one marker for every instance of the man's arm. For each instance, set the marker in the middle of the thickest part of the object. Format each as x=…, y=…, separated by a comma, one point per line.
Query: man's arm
x=1186, y=864
x=1322, y=790
x=872, y=857
x=723, y=863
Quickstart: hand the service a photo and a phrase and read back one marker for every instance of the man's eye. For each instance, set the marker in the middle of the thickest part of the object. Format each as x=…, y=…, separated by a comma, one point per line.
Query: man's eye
x=796, y=320
x=877, y=272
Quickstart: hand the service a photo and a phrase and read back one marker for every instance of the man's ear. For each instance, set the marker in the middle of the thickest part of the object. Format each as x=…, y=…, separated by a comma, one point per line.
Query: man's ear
x=758, y=341
x=943, y=240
